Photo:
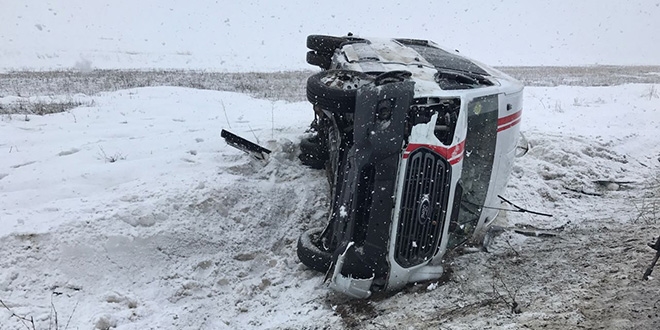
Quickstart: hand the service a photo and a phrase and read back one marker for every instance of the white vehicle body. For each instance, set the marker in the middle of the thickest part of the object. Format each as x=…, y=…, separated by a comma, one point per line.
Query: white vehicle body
x=470, y=138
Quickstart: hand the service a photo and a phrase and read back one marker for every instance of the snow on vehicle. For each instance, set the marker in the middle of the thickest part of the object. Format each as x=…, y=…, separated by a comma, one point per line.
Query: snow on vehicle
x=416, y=140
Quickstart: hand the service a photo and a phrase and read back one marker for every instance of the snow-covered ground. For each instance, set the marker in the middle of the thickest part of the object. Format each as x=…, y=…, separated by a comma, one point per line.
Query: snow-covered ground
x=131, y=212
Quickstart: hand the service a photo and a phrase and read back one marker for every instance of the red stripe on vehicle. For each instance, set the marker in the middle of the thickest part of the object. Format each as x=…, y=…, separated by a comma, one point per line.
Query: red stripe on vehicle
x=509, y=125
x=452, y=154
x=508, y=121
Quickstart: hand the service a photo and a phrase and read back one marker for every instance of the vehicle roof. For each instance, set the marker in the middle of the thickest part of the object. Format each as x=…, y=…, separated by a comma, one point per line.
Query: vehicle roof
x=425, y=60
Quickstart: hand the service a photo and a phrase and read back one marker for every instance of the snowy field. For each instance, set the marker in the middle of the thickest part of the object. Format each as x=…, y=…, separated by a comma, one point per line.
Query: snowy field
x=131, y=212
x=122, y=208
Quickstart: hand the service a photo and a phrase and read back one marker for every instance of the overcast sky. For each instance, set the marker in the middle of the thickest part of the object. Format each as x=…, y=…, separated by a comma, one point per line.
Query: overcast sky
x=270, y=35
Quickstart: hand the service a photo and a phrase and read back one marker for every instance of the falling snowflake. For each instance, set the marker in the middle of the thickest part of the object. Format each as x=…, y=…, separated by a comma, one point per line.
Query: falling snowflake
x=342, y=211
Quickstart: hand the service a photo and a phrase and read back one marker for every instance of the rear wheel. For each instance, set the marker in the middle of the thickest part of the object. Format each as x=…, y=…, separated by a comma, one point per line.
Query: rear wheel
x=310, y=253
x=313, y=151
x=322, y=60
x=324, y=44
x=328, y=44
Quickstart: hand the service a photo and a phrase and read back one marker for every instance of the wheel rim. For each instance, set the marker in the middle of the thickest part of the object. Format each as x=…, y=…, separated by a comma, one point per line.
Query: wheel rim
x=345, y=81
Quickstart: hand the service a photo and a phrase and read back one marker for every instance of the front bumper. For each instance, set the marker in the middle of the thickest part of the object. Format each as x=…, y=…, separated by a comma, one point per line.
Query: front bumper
x=348, y=285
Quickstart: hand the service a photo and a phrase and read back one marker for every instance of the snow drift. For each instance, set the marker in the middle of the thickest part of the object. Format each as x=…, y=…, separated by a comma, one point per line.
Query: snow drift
x=132, y=213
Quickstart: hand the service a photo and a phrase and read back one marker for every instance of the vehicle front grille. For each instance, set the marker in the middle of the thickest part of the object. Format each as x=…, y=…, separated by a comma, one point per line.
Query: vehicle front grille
x=423, y=207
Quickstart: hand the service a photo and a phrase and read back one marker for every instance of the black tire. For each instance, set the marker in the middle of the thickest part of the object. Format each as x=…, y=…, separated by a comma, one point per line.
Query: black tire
x=322, y=60
x=335, y=90
x=313, y=152
x=328, y=44
x=312, y=161
x=310, y=254
x=324, y=44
